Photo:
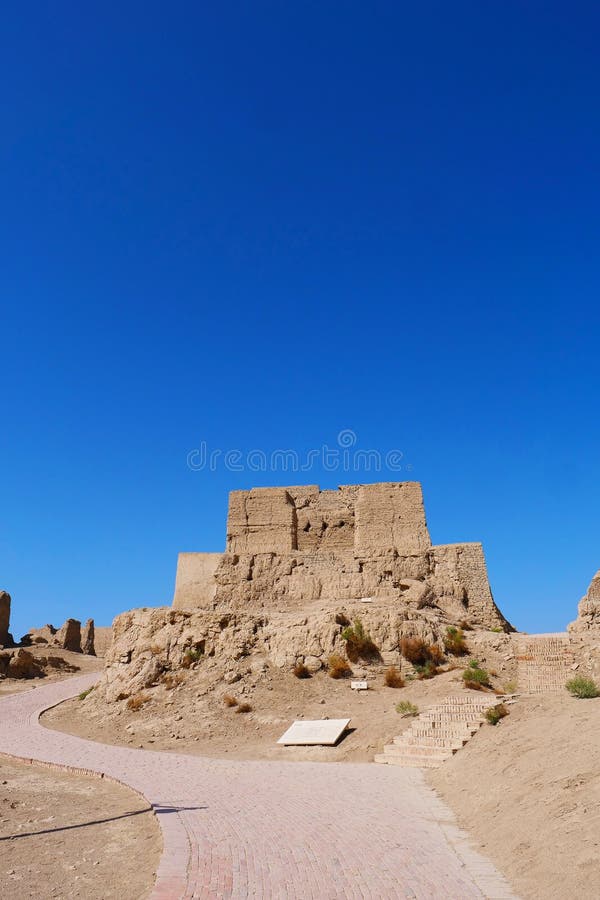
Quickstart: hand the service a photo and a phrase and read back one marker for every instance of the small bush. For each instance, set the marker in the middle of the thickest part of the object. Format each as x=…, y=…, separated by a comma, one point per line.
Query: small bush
x=495, y=713
x=155, y=650
x=228, y=700
x=406, y=708
x=454, y=641
x=243, y=708
x=436, y=655
x=137, y=701
x=429, y=670
x=414, y=650
x=171, y=680
x=474, y=677
x=338, y=667
x=300, y=671
x=510, y=687
x=358, y=642
x=583, y=688
x=466, y=626
x=191, y=656
x=84, y=694
x=497, y=629
x=392, y=678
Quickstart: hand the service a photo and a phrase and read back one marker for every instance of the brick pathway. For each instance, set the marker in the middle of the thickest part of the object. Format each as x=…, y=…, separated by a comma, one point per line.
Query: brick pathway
x=269, y=830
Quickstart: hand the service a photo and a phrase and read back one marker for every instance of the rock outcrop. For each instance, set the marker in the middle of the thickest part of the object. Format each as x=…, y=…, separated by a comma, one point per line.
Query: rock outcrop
x=69, y=636
x=87, y=638
x=5, y=636
x=149, y=642
x=588, y=611
x=20, y=664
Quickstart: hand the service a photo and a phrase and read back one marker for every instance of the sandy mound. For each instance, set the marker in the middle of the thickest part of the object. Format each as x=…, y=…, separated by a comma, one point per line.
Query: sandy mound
x=528, y=792
x=64, y=835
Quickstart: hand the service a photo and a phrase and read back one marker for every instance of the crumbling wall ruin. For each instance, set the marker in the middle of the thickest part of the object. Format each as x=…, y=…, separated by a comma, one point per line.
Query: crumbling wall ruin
x=289, y=547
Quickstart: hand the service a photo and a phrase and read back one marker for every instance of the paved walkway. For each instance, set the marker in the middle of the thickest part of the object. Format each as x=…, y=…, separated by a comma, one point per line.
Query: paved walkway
x=275, y=831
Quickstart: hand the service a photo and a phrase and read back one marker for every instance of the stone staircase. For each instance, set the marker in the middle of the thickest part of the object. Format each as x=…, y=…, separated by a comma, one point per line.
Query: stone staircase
x=439, y=732
x=544, y=663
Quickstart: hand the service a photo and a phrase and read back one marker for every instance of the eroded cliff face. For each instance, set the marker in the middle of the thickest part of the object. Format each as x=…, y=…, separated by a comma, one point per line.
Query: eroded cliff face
x=588, y=611
x=147, y=643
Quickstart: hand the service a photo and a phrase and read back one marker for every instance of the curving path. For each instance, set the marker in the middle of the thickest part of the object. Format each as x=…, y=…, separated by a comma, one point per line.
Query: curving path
x=282, y=831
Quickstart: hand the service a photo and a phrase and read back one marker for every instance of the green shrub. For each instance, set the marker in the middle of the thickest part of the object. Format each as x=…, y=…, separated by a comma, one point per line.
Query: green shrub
x=358, y=642
x=429, y=670
x=475, y=677
x=84, y=694
x=406, y=708
x=454, y=641
x=495, y=713
x=583, y=688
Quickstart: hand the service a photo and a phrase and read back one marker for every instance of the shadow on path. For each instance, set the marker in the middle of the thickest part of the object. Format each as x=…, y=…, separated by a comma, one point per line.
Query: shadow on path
x=159, y=810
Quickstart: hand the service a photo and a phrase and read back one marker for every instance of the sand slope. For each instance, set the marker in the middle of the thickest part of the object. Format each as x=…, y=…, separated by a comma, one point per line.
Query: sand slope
x=528, y=792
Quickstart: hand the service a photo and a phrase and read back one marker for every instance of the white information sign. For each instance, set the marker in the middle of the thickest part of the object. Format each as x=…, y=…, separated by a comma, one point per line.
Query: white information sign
x=319, y=731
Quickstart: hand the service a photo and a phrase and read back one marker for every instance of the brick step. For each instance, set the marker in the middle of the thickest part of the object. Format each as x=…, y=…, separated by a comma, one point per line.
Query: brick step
x=415, y=762
x=423, y=734
x=430, y=752
x=451, y=742
x=465, y=717
x=466, y=701
x=433, y=729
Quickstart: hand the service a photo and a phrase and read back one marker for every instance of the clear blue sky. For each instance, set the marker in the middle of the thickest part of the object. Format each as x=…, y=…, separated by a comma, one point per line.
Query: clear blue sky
x=259, y=224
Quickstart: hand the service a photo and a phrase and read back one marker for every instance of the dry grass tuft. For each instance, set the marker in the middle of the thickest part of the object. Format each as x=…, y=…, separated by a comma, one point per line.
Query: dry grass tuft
x=392, y=678
x=424, y=657
x=414, y=650
x=495, y=713
x=300, y=671
x=137, y=701
x=406, y=708
x=338, y=667
x=171, y=680
x=244, y=708
x=454, y=641
x=436, y=655
x=228, y=700
x=359, y=644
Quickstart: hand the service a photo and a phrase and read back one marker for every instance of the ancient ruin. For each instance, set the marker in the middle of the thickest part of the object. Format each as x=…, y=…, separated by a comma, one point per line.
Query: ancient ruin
x=288, y=547
x=299, y=565
x=6, y=639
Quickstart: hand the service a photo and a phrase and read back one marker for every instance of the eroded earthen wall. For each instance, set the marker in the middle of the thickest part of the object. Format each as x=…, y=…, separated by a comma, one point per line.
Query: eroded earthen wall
x=195, y=584
x=289, y=547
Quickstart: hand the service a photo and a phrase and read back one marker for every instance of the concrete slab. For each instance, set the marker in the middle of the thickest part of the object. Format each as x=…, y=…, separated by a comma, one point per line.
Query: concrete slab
x=318, y=731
